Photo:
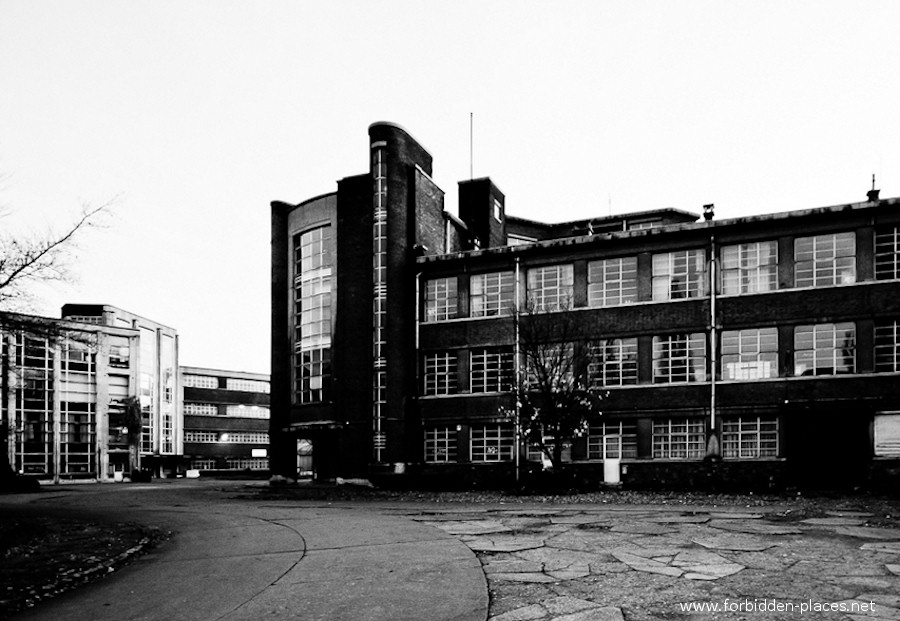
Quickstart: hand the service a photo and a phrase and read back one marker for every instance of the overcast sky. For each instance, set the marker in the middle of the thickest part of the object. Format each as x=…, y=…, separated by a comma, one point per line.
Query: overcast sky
x=198, y=114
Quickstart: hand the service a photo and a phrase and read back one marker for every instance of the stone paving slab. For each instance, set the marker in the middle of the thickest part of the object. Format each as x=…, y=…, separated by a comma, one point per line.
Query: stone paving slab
x=638, y=565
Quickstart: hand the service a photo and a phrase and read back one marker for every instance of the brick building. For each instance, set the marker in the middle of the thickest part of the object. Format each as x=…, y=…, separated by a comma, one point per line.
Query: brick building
x=763, y=350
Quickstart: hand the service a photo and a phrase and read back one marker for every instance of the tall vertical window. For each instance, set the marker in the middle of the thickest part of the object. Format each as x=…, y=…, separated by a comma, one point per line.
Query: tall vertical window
x=34, y=397
x=749, y=437
x=440, y=299
x=492, y=294
x=680, y=274
x=679, y=438
x=78, y=438
x=612, y=282
x=887, y=346
x=379, y=302
x=887, y=253
x=550, y=288
x=439, y=373
x=825, y=260
x=825, y=349
x=149, y=388
x=612, y=440
x=750, y=354
x=750, y=268
x=492, y=443
x=440, y=445
x=679, y=358
x=612, y=362
x=313, y=261
x=491, y=369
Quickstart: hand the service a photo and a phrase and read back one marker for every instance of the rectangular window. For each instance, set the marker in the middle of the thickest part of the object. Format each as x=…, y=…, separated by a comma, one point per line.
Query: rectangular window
x=492, y=294
x=492, y=370
x=612, y=282
x=201, y=409
x=247, y=411
x=200, y=381
x=519, y=240
x=679, y=275
x=887, y=346
x=887, y=434
x=551, y=366
x=825, y=349
x=612, y=440
x=550, y=288
x=825, y=260
x=439, y=377
x=313, y=283
x=887, y=253
x=750, y=354
x=749, y=268
x=679, y=358
x=679, y=438
x=440, y=299
x=227, y=437
x=613, y=362
x=492, y=443
x=749, y=437
x=440, y=445
x=312, y=370
x=247, y=385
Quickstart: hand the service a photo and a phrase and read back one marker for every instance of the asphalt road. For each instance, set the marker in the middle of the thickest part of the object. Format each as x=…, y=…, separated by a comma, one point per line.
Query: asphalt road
x=231, y=559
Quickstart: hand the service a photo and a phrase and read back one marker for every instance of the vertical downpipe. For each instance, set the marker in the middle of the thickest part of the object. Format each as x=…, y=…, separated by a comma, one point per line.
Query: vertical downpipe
x=713, y=448
x=517, y=373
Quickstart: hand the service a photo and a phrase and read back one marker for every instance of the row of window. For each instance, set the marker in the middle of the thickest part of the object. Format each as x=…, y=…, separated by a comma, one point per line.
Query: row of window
x=236, y=463
x=750, y=354
x=819, y=261
x=230, y=437
x=239, y=411
x=231, y=383
x=751, y=437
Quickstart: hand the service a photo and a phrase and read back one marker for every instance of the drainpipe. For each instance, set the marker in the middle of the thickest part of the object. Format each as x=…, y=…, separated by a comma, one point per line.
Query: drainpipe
x=712, y=447
x=518, y=373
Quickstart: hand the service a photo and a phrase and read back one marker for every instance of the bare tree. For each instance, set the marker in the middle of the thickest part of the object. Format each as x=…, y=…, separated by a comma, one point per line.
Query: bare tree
x=555, y=397
x=29, y=258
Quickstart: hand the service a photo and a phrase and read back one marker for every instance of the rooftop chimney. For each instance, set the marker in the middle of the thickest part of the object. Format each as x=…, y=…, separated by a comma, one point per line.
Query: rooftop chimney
x=872, y=194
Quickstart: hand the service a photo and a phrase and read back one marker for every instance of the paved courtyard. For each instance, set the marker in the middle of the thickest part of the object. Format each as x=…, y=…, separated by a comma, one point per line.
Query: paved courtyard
x=239, y=552
x=642, y=563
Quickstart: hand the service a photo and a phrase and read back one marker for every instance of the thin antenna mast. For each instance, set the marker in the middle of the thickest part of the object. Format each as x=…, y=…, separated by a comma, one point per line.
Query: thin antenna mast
x=471, y=145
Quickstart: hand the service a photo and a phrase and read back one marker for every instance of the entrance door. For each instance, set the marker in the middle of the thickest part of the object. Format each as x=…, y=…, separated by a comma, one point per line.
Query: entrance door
x=304, y=458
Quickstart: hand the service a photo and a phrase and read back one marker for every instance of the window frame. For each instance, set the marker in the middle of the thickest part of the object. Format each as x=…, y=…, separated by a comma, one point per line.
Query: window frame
x=612, y=282
x=819, y=333
x=550, y=288
x=825, y=262
x=439, y=373
x=679, y=275
x=489, y=298
x=744, y=271
x=694, y=358
x=762, y=350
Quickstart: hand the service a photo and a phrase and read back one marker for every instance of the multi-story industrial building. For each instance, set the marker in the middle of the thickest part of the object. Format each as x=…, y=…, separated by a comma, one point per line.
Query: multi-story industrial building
x=762, y=350
x=157, y=376
x=64, y=388
x=226, y=421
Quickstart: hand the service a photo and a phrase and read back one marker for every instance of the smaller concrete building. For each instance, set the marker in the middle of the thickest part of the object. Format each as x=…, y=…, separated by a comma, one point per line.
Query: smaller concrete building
x=226, y=421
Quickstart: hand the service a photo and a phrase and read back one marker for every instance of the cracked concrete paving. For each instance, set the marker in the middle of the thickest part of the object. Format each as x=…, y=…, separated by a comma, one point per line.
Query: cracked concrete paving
x=648, y=563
